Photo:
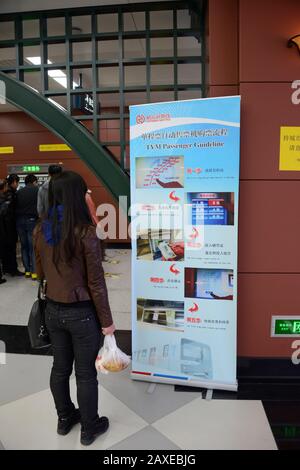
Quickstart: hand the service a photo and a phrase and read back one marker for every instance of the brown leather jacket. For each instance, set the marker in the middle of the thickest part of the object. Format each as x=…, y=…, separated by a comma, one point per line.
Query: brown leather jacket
x=83, y=280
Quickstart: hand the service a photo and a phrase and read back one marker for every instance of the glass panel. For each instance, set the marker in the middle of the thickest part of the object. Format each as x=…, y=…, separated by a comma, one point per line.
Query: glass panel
x=81, y=24
x=162, y=74
x=162, y=47
x=127, y=133
x=108, y=103
x=134, y=48
x=139, y=97
x=113, y=130
x=7, y=57
x=160, y=96
x=56, y=26
x=88, y=124
x=82, y=78
x=7, y=30
x=115, y=150
x=188, y=46
x=189, y=94
x=189, y=73
x=57, y=79
x=183, y=19
x=134, y=21
x=82, y=51
x=57, y=53
x=161, y=19
x=108, y=50
x=31, y=29
x=82, y=103
x=32, y=55
x=33, y=79
x=59, y=101
x=108, y=76
x=11, y=74
x=135, y=75
x=107, y=23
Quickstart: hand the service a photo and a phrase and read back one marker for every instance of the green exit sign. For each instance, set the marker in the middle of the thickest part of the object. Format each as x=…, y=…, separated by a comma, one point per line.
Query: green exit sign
x=285, y=326
x=31, y=168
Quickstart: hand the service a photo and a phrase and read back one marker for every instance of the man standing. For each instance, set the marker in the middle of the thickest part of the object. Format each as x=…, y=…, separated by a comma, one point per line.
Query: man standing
x=10, y=265
x=27, y=216
x=42, y=204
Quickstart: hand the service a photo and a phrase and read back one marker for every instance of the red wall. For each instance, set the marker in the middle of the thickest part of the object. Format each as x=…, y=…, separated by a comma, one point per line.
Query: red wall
x=25, y=135
x=248, y=55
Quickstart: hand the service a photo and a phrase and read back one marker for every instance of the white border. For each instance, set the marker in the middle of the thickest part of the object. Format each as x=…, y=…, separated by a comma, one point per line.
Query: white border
x=232, y=387
x=192, y=99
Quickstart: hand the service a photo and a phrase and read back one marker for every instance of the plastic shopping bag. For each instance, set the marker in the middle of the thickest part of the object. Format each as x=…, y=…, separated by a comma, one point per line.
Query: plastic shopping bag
x=110, y=358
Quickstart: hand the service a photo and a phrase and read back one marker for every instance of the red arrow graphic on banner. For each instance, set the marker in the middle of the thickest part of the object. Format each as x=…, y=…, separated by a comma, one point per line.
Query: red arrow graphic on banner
x=173, y=197
x=174, y=270
x=195, y=233
x=195, y=308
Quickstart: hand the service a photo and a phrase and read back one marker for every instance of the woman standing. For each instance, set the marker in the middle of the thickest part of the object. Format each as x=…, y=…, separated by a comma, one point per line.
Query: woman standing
x=68, y=255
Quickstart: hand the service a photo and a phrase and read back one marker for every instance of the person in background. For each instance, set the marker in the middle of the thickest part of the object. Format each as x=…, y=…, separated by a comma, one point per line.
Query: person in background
x=42, y=202
x=27, y=216
x=68, y=255
x=4, y=205
x=10, y=265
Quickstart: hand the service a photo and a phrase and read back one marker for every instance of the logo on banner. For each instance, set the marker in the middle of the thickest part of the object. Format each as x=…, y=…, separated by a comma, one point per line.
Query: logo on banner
x=194, y=308
x=174, y=270
x=141, y=118
x=296, y=94
x=173, y=197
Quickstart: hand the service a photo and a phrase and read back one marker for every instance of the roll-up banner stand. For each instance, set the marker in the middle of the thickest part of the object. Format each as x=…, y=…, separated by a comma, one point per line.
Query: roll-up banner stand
x=184, y=165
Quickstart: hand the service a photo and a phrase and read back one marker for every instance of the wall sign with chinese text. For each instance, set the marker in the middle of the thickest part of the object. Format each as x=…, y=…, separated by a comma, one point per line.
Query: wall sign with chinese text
x=289, y=149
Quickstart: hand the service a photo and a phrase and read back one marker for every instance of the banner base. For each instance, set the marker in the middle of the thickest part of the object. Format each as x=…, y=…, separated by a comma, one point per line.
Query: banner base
x=231, y=387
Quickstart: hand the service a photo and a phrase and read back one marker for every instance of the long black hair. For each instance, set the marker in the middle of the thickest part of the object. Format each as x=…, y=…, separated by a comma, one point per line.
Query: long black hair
x=69, y=214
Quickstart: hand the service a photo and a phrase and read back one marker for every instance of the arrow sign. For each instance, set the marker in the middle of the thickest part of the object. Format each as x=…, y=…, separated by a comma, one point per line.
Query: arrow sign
x=174, y=270
x=195, y=308
x=195, y=233
x=173, y=197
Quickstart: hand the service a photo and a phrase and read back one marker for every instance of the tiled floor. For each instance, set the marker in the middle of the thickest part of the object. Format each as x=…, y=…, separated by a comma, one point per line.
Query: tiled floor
x=218, y=424
x=163, y=419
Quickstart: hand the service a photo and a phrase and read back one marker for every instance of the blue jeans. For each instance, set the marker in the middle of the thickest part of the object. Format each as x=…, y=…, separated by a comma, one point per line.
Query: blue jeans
x=75, y=335
x=25, y=226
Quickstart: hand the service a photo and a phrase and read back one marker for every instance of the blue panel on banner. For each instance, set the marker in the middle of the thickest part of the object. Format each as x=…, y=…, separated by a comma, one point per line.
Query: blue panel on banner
x=170, y=376
x=205, y=213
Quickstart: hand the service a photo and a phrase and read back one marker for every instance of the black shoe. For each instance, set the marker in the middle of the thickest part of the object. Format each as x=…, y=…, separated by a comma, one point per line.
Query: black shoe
x=88, y=437
x=2, y=281
x=17, y=274
x=65, y=425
